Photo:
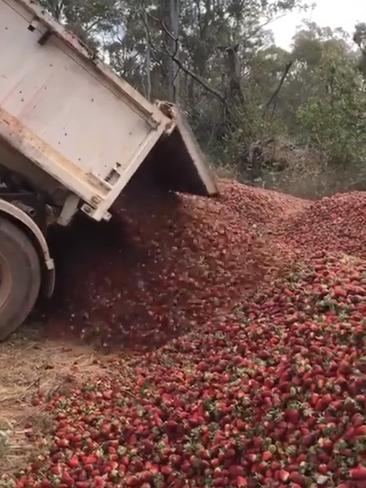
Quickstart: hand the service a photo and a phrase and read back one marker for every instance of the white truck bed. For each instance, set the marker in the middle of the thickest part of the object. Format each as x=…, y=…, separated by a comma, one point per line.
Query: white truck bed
x=73, y=123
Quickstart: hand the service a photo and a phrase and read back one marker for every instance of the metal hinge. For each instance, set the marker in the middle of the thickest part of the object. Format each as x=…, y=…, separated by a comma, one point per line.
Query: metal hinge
x=36, y=25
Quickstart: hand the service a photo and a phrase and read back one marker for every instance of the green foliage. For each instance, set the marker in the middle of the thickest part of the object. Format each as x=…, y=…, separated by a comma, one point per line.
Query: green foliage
x=218, y=60
x=334, y=116
x=360, y=36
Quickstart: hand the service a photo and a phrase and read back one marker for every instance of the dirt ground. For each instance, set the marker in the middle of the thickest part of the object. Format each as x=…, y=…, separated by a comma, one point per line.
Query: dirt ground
x=37, y=366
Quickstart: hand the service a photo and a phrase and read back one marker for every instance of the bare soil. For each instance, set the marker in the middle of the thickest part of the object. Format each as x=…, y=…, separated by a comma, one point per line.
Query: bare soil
x=30, y=365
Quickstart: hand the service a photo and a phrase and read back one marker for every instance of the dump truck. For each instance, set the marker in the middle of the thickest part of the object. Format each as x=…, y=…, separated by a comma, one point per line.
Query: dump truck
x=72, y=135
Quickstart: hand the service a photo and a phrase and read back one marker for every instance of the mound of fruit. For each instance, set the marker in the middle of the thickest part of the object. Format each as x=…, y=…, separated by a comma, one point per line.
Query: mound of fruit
x=336, y=223
x=165, y=263
x=271, y=395
x=260, y=300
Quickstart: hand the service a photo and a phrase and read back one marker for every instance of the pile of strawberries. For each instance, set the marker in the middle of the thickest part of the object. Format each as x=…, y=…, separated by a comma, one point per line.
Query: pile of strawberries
x=165, y=263
x=267, y=388
x=336, y=223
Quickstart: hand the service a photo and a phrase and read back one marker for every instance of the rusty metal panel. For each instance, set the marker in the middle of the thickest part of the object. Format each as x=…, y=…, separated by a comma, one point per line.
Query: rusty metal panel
x=86, y=133
x=46, y=24
x=77, y=123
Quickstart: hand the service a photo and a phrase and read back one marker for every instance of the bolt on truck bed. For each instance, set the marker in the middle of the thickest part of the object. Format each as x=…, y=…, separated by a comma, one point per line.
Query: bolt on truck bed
x=70, y=126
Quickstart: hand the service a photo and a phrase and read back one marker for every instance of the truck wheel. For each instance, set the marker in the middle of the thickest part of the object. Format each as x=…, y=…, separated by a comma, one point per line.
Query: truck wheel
x=20, y=277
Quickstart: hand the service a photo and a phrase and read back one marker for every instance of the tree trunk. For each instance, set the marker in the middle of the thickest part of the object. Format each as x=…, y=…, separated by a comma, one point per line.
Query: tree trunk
x=173, y=25
x=148, y=88
x=234, y=75
x=171, y=20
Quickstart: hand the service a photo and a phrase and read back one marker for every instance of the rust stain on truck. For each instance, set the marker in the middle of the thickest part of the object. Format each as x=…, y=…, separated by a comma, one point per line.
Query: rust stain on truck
x=72, y=135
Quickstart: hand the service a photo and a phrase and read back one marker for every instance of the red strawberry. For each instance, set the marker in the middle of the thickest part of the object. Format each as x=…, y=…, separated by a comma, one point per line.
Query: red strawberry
x=241, y=482
x=73, y=462
x=358, y=474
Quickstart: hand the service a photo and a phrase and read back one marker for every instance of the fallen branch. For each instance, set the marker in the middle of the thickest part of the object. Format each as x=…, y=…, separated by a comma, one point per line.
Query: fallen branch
x=273, y=98
x=181, y=66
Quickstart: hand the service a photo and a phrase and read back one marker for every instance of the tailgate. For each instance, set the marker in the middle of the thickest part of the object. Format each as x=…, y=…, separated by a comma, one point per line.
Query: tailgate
x=177, y=160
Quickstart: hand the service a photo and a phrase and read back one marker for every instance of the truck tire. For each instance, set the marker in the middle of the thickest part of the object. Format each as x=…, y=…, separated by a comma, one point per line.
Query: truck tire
x=20, y=277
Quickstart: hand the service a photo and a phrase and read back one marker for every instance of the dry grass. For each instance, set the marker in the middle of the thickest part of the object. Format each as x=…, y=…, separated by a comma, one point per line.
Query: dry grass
x=29, y=365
